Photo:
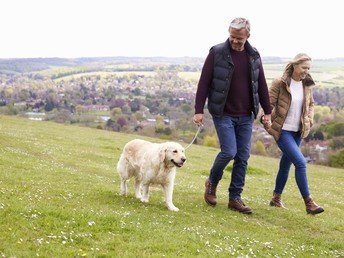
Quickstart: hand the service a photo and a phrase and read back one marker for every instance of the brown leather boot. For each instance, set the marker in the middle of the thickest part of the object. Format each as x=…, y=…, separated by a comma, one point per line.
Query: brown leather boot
x=238, y=205
x=312, y=207
x=210, y=193
x=276, y=200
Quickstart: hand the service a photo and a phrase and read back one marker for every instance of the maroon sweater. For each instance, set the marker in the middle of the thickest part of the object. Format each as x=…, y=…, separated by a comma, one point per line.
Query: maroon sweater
x=239, y=99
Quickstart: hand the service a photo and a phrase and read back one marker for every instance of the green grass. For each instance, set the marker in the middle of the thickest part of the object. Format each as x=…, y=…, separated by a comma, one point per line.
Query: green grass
x=59, y=197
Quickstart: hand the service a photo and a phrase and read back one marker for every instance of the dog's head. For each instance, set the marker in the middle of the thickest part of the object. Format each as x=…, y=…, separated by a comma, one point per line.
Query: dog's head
x=173, y=153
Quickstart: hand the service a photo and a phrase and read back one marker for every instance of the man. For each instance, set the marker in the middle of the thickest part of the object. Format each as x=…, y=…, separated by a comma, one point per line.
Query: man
x=233, y=81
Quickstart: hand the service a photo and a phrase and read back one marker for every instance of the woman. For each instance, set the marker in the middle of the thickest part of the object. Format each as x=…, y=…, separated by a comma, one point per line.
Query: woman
x=292, y=102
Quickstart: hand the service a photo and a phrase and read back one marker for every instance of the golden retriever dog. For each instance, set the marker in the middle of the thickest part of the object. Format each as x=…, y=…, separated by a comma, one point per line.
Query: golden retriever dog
x=150, y=163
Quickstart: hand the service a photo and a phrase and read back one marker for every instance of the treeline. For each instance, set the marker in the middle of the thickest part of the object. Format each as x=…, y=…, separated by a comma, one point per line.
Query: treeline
x=27, y=65
x=157, y=104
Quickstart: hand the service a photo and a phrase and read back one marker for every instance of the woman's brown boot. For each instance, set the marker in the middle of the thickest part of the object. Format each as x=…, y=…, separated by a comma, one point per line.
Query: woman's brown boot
x=276, y=200
x=312, y=207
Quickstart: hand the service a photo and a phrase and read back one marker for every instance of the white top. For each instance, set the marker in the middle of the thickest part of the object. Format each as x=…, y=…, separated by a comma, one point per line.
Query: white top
x=293, y=119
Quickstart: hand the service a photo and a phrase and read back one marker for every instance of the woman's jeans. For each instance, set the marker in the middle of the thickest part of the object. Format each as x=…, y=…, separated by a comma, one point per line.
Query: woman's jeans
x=234, y=135
x=289, y=143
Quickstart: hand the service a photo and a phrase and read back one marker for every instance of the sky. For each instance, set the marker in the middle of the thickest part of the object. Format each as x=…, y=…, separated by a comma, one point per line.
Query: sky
x=169, y=28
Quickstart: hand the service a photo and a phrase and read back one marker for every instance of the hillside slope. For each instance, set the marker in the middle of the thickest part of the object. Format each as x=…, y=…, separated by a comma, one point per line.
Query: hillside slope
x=59, y=196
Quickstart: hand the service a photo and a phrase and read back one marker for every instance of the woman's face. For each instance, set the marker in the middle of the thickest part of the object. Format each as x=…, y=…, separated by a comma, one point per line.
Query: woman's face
x=301, y=70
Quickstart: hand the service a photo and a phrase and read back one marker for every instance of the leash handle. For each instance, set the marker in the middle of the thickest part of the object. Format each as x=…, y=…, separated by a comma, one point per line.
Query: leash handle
x=199, y=129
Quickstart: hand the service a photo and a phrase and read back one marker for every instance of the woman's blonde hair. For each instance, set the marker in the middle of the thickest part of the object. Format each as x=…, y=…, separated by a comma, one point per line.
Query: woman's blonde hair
x=298, y=59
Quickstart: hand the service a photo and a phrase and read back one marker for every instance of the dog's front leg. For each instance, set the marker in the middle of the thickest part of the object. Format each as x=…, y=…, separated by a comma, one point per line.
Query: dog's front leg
x=123, y=186
x=168, y=191
x=145, y=192
x=138, y=183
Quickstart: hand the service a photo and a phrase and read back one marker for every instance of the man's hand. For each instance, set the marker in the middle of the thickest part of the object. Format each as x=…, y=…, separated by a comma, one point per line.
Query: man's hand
x=266, y=120
x=198, y=119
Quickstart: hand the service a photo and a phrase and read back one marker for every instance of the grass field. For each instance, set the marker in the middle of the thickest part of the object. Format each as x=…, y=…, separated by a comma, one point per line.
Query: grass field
x=59, y=197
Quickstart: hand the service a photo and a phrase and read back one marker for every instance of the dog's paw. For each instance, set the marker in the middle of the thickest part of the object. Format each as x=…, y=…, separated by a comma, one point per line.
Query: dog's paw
x=173, y=208
x=144, y=200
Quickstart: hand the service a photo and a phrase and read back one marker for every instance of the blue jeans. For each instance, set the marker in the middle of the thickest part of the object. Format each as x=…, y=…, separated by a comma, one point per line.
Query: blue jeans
x=234, y=135
x=289, y=143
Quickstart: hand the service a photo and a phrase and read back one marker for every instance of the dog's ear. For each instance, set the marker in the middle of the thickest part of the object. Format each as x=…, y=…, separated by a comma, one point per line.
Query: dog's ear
x=162, y=153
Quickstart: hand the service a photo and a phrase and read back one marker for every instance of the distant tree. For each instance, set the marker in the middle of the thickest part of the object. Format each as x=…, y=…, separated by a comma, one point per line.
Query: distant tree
x=139, y=115
x=126, y=109
x=24, y=95
x=11, y=110
x=122, y=121
x=163, y=130
x=315, y=135
x=135, y=105
x=51, y=102
x=62, y=116
x=117, y=103
x=49, y=106
x=318, y=136
x=159, y=119
x=137, y=91
x=160, y=126
x=186, y=108
x=80, y=109
x=111, y=124
x=336, y=129
x=336, y=143
x=323, y=110
x=116, y=111
x=317, y=117
x=259, y=148
x=337, y=160
x=210, y=141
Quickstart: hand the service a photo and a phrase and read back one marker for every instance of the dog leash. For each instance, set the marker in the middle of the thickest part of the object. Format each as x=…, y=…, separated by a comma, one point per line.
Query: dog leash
x=199, y=129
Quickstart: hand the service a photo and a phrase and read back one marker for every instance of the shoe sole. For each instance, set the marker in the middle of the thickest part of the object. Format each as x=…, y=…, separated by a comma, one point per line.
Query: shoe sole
x=274, y=205
x=243, y=212
x=210, y=204
x=314, y=212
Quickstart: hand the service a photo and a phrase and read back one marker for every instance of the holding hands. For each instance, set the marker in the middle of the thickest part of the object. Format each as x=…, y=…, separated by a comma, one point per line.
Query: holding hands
x=266, y=121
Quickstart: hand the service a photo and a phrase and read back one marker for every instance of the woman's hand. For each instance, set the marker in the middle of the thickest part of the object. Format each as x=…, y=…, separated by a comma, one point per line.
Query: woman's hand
x=266, y=121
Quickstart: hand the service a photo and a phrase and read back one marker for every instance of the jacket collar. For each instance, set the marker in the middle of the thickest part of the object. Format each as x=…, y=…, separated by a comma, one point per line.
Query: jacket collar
x=251, y=51
x=308, y=81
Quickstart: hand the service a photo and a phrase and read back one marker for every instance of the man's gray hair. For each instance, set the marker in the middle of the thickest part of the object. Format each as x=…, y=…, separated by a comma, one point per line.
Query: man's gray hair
x=240, y=23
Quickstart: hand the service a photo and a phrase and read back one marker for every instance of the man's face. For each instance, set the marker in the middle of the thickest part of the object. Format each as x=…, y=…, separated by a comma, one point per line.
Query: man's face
x=237, y=38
